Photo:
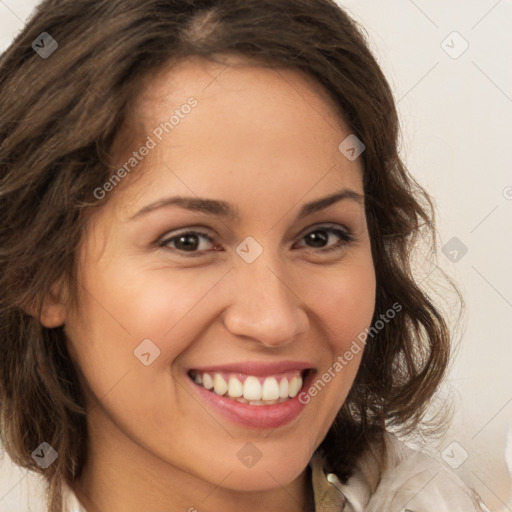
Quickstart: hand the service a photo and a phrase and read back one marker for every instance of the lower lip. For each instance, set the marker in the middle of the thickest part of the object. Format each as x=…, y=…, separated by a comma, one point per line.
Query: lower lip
x=255, y=416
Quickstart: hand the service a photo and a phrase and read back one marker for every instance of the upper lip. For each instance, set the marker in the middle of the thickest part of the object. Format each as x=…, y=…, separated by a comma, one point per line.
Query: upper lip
x=256, y=368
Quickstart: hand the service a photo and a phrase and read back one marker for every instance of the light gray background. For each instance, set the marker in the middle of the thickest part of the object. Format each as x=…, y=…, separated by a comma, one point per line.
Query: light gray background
x=456, y=116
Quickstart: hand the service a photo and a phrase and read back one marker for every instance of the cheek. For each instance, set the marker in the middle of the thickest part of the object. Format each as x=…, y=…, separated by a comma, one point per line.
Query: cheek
x=343, y=303
x=122, y=307
x=126, y=305
x=343, y=300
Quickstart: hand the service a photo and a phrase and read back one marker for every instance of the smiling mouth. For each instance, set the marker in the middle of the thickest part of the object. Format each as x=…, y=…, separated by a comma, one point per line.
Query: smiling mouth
x=252, y=389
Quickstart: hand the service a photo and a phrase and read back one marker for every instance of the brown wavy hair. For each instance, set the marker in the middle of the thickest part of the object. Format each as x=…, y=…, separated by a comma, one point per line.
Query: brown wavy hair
x=60, y=118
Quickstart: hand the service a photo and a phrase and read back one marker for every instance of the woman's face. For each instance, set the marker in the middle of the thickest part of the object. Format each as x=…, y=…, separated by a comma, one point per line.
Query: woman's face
x=250, y=276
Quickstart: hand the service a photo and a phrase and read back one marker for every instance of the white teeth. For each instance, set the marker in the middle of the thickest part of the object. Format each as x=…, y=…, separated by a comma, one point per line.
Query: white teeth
x=252, y=388
x=283, y=388
x=252, y=391
x=207, y=381
x=270, y=389
x=235, y=388
x=220, y=386
x=295, y=385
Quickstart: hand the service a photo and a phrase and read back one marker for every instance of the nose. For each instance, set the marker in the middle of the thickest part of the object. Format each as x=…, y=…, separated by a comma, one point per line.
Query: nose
x=264, y=306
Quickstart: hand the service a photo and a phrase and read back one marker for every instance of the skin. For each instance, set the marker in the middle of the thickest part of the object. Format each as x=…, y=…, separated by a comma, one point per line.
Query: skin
x=265, y=141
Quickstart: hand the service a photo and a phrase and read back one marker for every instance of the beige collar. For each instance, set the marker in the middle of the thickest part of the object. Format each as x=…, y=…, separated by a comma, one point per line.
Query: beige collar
x=331, y=495
x=326, y=487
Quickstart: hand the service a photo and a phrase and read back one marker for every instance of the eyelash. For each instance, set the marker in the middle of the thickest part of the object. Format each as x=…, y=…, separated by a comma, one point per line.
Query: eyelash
x=344, y=234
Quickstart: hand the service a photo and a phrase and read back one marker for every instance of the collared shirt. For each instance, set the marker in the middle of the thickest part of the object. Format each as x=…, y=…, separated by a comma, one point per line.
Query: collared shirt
x=409, y=481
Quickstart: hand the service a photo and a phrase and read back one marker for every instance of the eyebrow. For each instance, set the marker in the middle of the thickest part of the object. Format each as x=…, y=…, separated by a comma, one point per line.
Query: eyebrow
x=226, y=210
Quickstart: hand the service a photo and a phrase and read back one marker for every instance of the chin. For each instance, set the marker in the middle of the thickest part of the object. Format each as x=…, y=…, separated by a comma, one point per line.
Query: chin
x=281, y=470
x=252, y=480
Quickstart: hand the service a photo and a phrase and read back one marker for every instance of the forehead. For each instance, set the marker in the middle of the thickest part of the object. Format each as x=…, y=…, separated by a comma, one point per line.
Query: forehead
x=246, y=85
x=252, y=129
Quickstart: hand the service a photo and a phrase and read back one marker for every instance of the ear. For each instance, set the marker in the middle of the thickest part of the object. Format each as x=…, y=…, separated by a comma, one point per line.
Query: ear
x=53, y=310
x=53, y=313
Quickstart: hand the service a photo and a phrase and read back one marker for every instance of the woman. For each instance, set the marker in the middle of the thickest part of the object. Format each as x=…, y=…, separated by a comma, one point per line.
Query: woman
x=206, y=237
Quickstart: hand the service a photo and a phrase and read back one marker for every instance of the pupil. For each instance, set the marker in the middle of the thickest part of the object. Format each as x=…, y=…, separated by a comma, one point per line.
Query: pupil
x=318, y=238
x=187, y=242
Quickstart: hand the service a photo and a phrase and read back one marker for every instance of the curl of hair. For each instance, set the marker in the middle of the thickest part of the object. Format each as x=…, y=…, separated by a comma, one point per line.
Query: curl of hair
x=59, y=121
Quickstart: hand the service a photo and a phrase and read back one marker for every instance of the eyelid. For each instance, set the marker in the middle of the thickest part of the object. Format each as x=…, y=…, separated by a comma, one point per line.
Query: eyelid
x=189, y=229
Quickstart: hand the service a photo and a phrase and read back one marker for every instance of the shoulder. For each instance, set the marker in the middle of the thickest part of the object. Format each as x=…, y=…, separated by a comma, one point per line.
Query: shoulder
x=405, y=479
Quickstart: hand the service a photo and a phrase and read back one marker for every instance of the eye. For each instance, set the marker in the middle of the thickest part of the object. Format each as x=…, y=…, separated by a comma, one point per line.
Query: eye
x=188, y=241
x=319, y=238
x=195, y=243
